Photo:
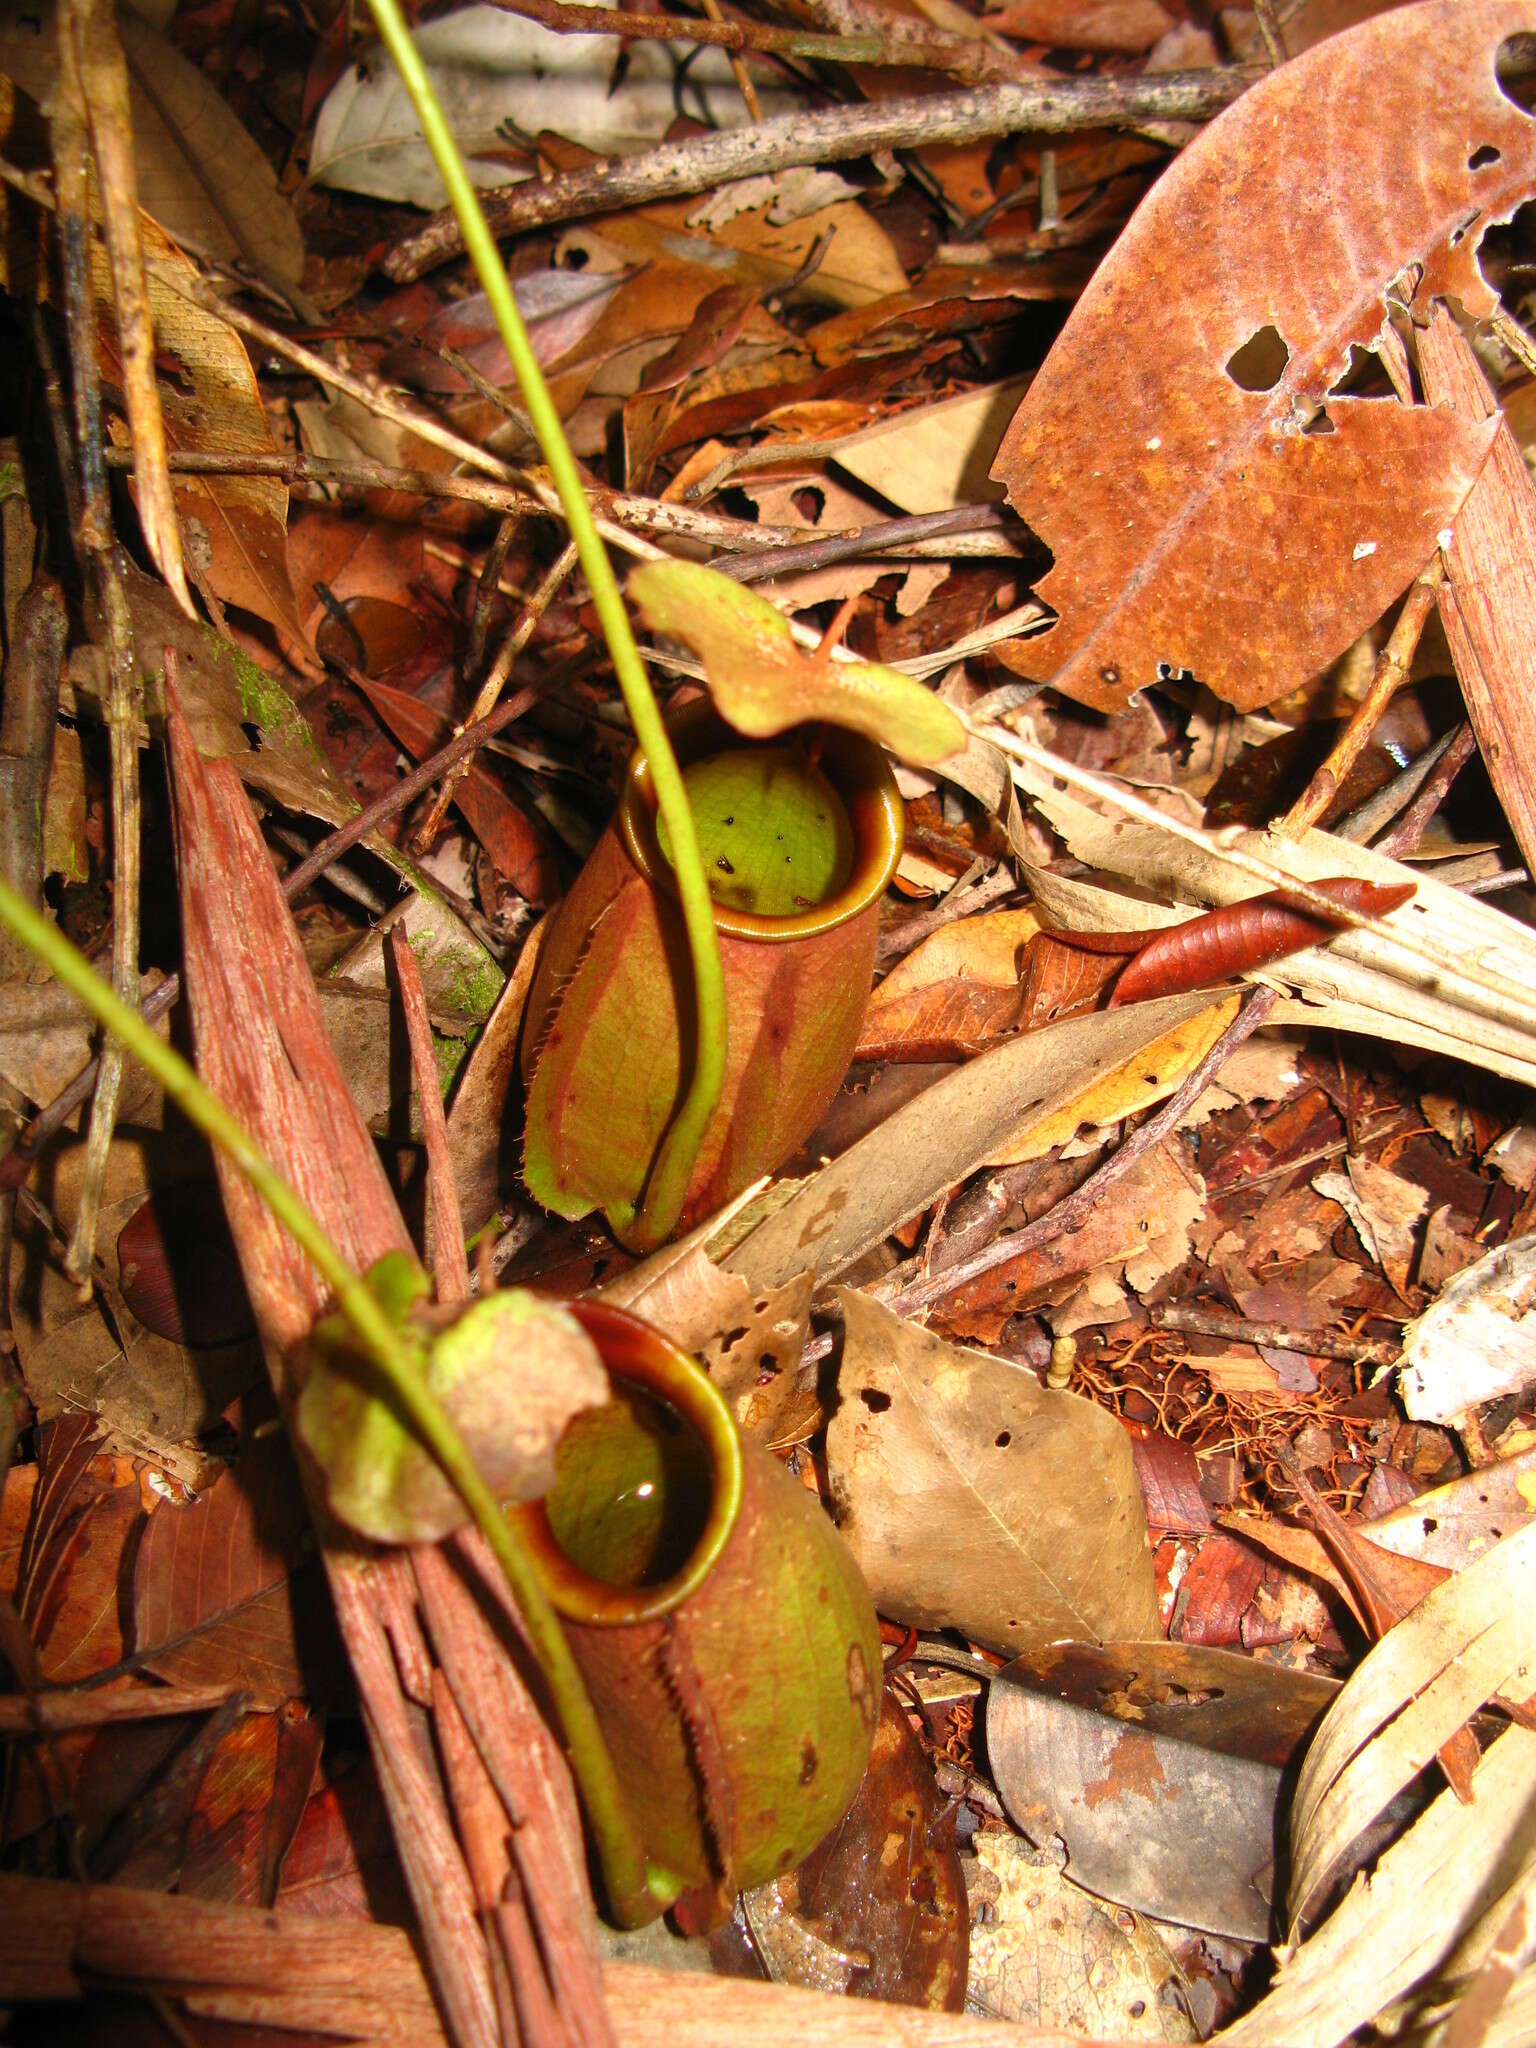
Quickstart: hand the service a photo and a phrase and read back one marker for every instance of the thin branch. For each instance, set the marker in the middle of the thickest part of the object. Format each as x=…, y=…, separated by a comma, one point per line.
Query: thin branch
x=627, y=512
x=1041, y=106
x=897, y=41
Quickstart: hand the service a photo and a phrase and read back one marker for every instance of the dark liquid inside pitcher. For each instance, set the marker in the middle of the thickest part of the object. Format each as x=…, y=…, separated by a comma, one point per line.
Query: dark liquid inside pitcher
x=631, y=1493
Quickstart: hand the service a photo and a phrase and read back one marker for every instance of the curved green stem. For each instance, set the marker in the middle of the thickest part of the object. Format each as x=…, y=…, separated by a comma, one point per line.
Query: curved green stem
x=623, y=1858
x=674, y=1164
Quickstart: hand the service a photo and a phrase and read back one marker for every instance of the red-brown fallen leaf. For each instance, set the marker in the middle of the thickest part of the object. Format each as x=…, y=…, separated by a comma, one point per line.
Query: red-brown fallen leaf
x=1216, y=1592
x=519, y=846
x=222, y=1593
x=342, y=1864
x=1168, y=1473
x=885, y=1889
x=1248, y=531
x=716, y=327
x=953, y=995
x=249, y=1806
x=1488, y=601
x=1059, y=979
x=1127, y=27
x=84, y=1509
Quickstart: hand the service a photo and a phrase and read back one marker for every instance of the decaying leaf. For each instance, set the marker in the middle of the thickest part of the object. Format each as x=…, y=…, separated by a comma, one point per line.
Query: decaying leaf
x=227, y=1588
x=1215, y=501
x=764, y=684
x=1159, y=1767
x=201, y=176
x=1477, y=1341
x=975, y=1499
x=884, y=1893
x=1050, y=1956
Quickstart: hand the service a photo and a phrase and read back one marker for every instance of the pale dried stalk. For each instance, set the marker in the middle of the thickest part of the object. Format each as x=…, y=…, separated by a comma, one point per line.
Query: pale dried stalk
x=1500, y=997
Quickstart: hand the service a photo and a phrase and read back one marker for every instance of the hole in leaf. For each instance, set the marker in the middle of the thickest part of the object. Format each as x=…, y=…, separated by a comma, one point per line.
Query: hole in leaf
x=1514, y=66
x=1260, y=363
x=1320, y=423
x=874, y=1400
x=1003, y=1439
x=1483, y=156
x=1365, y=377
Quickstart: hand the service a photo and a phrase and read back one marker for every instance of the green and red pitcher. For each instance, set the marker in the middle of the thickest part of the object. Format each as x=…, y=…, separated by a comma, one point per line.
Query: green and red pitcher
x=799, y=837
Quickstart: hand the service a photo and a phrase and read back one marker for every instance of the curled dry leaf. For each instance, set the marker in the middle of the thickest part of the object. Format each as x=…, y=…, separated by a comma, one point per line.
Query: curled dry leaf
x=1193, y=401
x=1233, y=940
x=1414, y=1690
x=1449, y=974
x=975, y=1499
x=763, y=684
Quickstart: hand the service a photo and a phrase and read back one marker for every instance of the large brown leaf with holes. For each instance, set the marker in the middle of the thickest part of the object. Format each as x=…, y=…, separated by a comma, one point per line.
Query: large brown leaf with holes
x=1250, y=534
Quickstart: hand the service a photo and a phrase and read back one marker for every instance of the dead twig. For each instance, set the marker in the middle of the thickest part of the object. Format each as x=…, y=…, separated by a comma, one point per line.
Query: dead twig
x=1197, y=1321
x=1404, y=838
x=1037, y=106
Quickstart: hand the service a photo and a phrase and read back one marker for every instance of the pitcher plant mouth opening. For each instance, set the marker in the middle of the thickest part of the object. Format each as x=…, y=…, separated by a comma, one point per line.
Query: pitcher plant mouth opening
x=647, y=1487
x=862, y=826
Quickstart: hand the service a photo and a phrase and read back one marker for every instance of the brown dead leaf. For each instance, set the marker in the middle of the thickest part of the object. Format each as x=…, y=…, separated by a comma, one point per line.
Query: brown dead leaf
x=221, y=1590
x=1125, y=26
x=1051, y=1956
x=935, y=1140
x=953, y=995
x=975, y=1499
x=1189, y=407
x=69, y=1582
x=249, y=1806
x=201, y=175
x=885, y=1889
x=1140, y=1227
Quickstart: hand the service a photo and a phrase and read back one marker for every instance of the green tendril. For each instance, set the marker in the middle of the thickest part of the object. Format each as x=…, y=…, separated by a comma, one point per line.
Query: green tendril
x=674, y=1164
x=623, y=1859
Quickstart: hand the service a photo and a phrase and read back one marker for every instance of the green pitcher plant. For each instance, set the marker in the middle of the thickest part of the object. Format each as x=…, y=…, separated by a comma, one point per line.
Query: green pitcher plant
x=706, y=1639
x=799, y=839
